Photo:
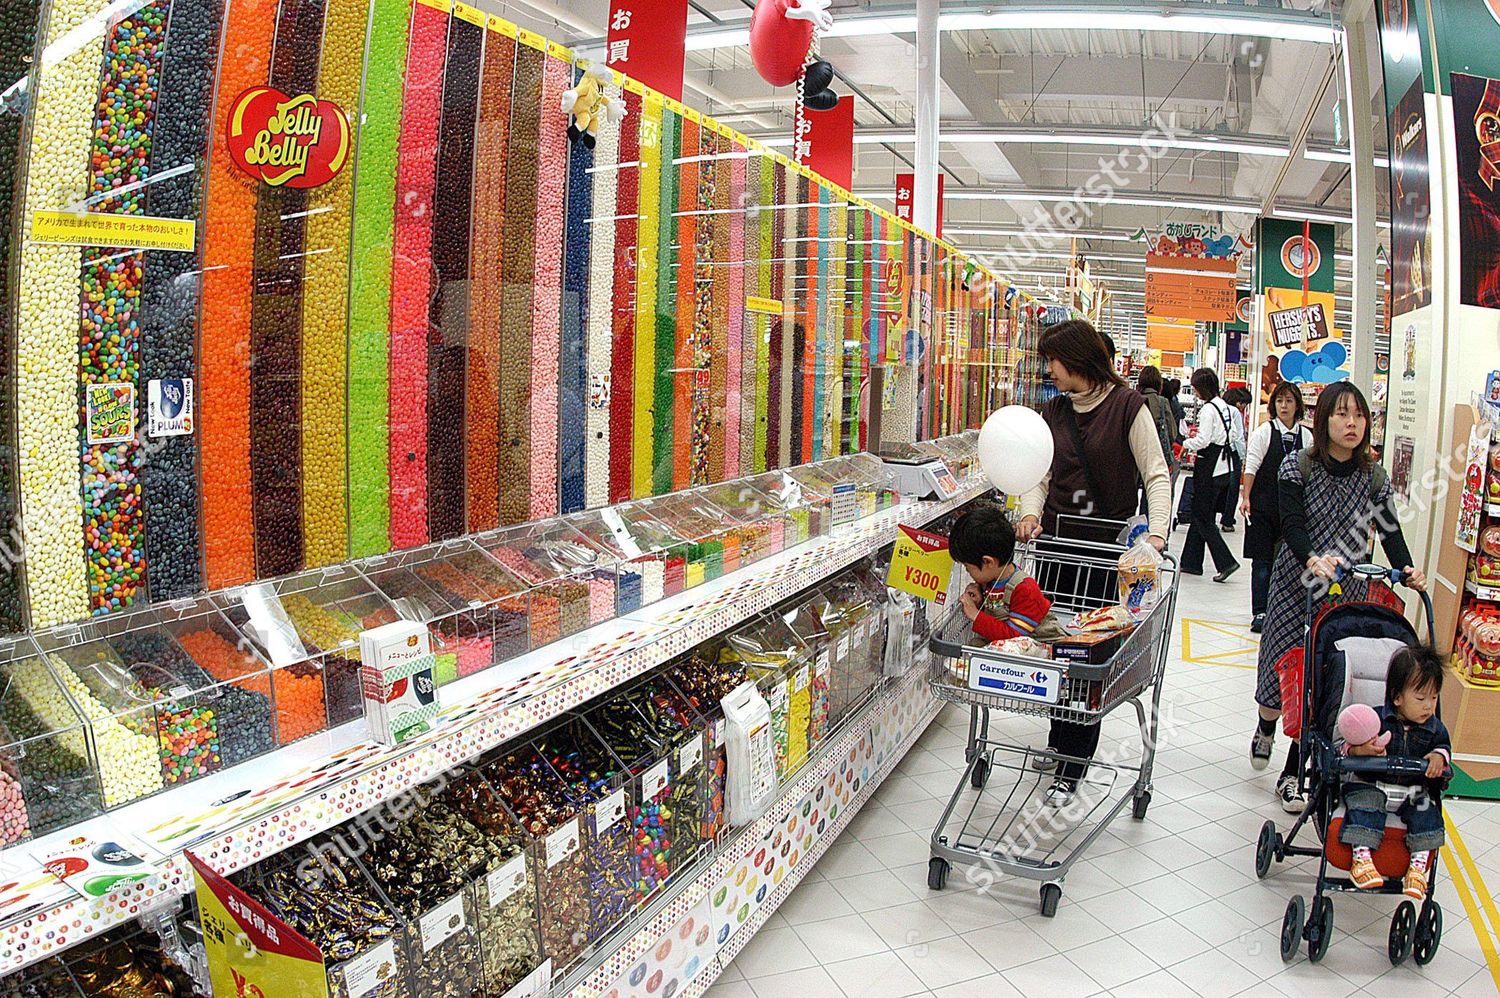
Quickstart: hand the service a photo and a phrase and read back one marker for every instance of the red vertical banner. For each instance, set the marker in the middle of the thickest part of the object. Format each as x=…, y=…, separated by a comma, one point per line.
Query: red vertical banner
x=647, y=40
x=906, y=199
x=826, y=142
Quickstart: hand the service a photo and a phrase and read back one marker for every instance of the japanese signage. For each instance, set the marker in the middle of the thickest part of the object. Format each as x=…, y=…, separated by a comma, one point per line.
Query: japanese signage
x=1198, y=288
x=252, y=952
x=825, y=141
x=920, y=564
x=1195, y=239
x=647, y=41
x=287, y=141
x=87, y=228
x=906, y=199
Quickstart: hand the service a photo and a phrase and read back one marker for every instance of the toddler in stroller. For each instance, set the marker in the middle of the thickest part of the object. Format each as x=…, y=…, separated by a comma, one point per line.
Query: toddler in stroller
x=1373, y=801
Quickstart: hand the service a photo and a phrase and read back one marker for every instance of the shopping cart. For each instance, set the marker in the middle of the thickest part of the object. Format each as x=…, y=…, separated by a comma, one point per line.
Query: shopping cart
x=1020, y=834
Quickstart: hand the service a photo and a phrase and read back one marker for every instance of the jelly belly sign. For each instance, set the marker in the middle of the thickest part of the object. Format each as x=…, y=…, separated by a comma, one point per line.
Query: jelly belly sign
x=288, y=141
x=252, y=953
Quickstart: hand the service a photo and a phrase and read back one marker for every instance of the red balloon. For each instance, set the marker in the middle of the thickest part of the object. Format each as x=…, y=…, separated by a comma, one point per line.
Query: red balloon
x=778, y=44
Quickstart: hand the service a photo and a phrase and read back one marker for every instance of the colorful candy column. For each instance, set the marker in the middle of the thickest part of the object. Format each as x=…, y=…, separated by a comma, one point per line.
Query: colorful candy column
x=516, y=266
x=728, y=283
x=763, y=250
x=656, y=176
x=411, y=279
x=674, y=358
x=170, y=293
x=228, y=255
x=325, y=305
x=855, y=355
x=819, y=338
x=605, y=223
x=448, y=319
x=370, y=278
x=546, y=303
x=47, y=319
x=656, y=399
x=770, y=366
x=19, y=28
x=731, y=202
x=630, y=283
x=110, y=312
x=573, y=358
x=833, y=340
x=482, y=399
x=701, y=329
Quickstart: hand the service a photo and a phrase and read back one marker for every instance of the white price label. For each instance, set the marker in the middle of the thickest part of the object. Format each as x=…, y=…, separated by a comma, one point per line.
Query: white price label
x=690, y=755
x=442, y=923
x=778, y=697
x=825, y=662
x=804, y=676
x=844, y=646
x=368, y=971
x=503, y=881
x=720, y=731
x=562, y=842
x=610, y=810
x=655, y=780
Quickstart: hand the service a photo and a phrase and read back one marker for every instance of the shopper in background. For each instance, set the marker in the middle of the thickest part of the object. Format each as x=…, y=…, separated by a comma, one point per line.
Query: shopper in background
x=1212, y=445
x=1174, y=398
x=1269, y=445
x=1149, y=383
x=1239, y=398
x=1330, y=497
x=1103, y=441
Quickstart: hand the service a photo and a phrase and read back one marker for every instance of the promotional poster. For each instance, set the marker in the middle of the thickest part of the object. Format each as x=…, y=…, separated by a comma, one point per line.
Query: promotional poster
x=1411, y=205
x=1476, y=128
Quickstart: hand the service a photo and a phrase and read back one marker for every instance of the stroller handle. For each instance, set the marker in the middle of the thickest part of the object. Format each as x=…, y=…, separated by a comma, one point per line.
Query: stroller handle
x=1371, y=572
x=1377, y=766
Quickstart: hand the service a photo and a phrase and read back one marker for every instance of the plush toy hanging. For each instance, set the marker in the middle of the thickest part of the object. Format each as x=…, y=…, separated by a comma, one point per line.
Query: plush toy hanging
x=783, y=33
x=587, y=103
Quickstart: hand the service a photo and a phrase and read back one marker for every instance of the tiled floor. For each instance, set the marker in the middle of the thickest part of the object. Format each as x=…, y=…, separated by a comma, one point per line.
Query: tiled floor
x=1168, y=906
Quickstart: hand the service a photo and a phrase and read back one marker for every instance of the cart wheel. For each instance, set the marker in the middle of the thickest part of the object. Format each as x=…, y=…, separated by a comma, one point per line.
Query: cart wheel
x=1266, y=848
x=980, y=774
x=1429, y=933
x=1320, y=928
x=1398, y=943
x=1051, y=894
x=1291, y=927
x=1139, y=805
x=937, y=873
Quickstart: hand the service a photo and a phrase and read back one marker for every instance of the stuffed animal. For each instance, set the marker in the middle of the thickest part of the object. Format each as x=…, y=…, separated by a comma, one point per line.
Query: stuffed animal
x=587, y=103
x=1360, y=725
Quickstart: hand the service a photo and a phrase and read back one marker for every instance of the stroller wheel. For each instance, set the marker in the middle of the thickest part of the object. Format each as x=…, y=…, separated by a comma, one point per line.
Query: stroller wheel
x=1320, y=928
x=1291, y=927
x=1398, y=943
x=1267, y=848
x=1429, y=933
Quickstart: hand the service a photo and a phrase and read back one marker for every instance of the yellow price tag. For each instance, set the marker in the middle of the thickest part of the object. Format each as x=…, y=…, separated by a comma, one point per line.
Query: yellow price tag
x=920, y=564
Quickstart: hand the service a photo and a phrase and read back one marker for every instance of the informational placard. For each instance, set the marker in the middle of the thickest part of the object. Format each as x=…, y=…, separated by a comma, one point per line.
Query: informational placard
x=845, y=506
x=655, y=780
x=562, y=842
x=1020, y=682
x=169, y=407
x=442, y=923
x=1471, y=500
x=825, y=141
x=920, y=564
x=84, y=228
x=94, y=868
x=763, y=306
x=109, y=412
x=251, y=951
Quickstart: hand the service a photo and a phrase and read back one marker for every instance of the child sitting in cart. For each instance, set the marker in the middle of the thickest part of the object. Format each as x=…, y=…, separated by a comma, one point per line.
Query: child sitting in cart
x=1409, y=728
x=1003, y=601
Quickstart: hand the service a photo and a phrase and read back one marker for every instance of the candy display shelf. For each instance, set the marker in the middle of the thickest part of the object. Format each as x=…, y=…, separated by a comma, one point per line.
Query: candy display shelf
x=238, y=816
x=1483, y=592
x=809, y=814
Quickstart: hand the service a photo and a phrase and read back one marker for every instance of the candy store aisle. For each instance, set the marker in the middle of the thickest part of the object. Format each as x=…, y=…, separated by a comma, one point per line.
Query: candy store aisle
x=1162, y=907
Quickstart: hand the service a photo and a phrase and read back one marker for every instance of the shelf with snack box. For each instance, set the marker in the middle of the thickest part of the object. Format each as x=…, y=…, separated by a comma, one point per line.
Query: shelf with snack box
x=234, y=817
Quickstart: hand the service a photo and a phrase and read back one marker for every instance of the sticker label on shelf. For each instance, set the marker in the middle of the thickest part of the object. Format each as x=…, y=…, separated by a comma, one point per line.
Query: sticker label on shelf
x=472, y=15
x=88, y=228
x=802, y=678
x=169, y=407
x=763, y=306
x=562, y=842
x=442, y=923
x=609, y=811
x=505, y=880
x=110, y=412
x=825, y=662
x=655, y=780
x=368, y=971
x=690, y=755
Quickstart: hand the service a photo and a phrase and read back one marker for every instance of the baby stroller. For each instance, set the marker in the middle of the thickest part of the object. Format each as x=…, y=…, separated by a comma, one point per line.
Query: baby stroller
x=1344, y=660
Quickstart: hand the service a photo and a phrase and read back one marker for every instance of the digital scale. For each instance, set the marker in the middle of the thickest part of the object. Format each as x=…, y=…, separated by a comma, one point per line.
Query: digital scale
x=917, y=474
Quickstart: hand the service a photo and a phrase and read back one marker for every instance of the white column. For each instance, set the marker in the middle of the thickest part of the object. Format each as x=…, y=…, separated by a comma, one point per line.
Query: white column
x=929, y=77
x=1362, y=181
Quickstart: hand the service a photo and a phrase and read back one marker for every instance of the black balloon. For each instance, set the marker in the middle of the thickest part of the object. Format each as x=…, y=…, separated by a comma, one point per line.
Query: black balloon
x=827, y=100
x=817, y=78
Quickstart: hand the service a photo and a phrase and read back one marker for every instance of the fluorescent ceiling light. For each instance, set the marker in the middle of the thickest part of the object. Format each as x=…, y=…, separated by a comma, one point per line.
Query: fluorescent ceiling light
x=1107, y=139
x=1299, y=28
x=1119, y=237
x=1140, y=200
x=1340, y=156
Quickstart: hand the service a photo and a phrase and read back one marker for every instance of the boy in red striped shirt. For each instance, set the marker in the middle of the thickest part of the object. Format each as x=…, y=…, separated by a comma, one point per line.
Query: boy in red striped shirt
x=1004, y=602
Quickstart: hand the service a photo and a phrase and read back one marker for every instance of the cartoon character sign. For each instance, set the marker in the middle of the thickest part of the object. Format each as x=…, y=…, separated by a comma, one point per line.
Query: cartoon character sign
x=1321, y=367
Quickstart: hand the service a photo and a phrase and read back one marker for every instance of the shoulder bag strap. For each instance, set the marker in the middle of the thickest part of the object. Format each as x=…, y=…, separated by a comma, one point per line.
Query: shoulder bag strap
x=1083, y=461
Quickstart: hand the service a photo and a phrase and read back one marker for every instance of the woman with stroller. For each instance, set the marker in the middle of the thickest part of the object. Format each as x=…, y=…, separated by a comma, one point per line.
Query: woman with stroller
x=1104, y=441
x=1269, y=445
x=1329, y=497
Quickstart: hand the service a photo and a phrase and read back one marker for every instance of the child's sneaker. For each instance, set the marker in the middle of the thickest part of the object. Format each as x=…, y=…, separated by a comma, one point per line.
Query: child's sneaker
x=1362, y=871
x=1415, y=885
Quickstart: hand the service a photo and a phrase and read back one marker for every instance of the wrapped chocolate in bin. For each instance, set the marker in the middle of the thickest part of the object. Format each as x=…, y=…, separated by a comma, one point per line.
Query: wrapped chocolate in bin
x=689, y=737
x=129, y=959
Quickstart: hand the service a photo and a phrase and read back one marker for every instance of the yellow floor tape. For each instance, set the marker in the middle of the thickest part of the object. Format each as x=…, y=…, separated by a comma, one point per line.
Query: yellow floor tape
x=1467, y=892
x=1228, y=658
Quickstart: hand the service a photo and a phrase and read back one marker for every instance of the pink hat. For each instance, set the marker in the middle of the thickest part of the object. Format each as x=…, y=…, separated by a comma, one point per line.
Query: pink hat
x=1359, y=723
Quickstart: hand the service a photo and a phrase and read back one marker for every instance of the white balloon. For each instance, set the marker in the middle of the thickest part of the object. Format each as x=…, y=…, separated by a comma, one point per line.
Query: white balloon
x=1015, y=448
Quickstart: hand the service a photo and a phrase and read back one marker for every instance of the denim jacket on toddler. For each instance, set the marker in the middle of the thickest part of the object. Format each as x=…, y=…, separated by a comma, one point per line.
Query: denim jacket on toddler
x=1414, y=741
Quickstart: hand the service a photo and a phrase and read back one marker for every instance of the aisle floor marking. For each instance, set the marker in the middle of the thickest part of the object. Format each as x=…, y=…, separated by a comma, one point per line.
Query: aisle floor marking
x=1218, y=630
x=1468, y=890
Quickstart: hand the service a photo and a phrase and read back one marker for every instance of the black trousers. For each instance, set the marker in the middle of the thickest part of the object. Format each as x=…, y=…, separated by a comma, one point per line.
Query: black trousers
x=1231, y=494
x=1094, y=589
x=1203, y=531
x=1260, y=584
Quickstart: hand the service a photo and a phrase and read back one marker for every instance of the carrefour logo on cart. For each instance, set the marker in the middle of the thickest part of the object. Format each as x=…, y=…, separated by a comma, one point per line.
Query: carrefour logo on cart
x=286, y=141
x=1024, y=683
